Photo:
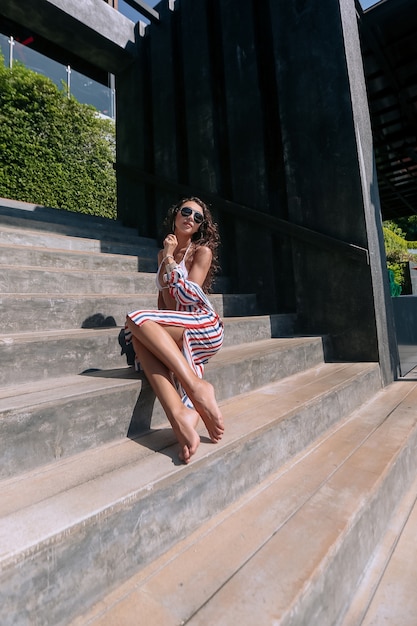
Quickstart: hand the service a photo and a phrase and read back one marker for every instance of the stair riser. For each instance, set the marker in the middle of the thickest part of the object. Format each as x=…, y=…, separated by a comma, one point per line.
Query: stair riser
x=88, y=230
x=30, y=361
x=34, y=257
x=44, y=258
x=109, y=548
x=43, y=433
x=50, y=358
x=28, y=280
x=257, y=328
x=31, y=238
x=340, y=576
x=40, y=434
x=19, y=314
x=243, y=376
x=37, y=313
x=26, y=211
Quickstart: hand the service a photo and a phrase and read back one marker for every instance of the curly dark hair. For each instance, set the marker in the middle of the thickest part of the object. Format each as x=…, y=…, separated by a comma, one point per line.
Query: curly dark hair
x=207, y=235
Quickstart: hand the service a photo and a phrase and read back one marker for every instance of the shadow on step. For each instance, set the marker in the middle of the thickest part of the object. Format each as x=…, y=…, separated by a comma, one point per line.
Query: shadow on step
x=148, y=425
x=98, y=320
x=144, y=409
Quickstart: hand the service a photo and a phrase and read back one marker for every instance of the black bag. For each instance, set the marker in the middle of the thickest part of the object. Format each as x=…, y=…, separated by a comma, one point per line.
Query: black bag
x=126, y=348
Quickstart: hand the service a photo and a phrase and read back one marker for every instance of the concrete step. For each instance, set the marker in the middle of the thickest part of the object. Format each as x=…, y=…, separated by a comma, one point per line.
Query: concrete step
x=291, y=550
x=32, y=356
x=58, y=221
x=28, y=280
x=38, y=213
x=105, y=279
x=37, y=256
x=52, y=311
x=95, y=242
x=386, y=593
x=114, y=232
x=54, y=418
x=257, y=327
x=39, y=237
x=75, y=529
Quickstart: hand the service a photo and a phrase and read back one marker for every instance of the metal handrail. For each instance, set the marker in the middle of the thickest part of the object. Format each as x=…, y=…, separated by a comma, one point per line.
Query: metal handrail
x=308, y=235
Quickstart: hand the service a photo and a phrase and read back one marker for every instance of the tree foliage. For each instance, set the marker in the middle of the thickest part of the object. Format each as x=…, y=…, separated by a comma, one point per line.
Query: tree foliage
x=54, y=150
x=397, y=250
x=408, y=226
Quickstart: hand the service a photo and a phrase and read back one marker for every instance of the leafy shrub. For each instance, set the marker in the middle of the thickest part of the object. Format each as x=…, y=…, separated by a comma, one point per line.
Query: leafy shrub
x=54, y=150
x=396, y=249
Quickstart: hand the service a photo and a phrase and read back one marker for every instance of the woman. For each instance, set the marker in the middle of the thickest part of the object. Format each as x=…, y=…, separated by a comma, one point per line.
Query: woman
x=173, y=343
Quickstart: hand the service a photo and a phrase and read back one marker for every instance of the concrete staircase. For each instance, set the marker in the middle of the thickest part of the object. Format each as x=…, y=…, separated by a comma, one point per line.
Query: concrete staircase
x=100, y=524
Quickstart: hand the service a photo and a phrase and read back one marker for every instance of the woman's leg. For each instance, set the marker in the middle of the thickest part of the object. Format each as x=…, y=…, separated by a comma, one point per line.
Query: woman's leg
x=182, y=419
x=164, y=345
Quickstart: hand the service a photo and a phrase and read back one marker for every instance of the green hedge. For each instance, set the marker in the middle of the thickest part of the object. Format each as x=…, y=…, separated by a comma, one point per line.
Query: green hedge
x=396, y=248
x=54, y=150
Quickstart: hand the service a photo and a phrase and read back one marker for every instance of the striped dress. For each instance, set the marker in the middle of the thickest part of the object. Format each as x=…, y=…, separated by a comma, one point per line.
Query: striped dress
x=203, y=334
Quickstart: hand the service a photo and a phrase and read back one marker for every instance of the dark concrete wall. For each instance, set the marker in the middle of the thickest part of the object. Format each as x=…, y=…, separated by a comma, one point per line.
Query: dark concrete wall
x=405, y=315
x=405, y=311
x=211, y=103
x=330, y=177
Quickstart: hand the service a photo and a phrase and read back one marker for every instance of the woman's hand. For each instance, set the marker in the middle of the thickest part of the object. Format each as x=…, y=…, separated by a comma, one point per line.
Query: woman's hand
x=170, y=243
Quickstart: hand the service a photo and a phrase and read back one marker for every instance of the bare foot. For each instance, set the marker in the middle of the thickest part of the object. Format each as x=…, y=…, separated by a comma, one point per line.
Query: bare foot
x=204, y=401
x=184, y=425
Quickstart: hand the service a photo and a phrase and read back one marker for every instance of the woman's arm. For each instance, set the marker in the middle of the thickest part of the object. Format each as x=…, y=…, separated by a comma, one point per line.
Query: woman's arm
x=197, y=274
x=188, y=291
x=165, y=301
x=201, y=265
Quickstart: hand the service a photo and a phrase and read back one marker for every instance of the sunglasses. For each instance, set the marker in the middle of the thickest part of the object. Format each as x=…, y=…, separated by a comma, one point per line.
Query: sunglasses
x=186, y=211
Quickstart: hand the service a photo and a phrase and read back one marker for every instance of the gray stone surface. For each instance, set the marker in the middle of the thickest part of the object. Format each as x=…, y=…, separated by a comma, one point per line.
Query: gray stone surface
x=54, y=417
x=38, y=256
x=50, y=354
x=40, y=238
x=52, y=311
x=19, y=211
x=104, y=529
x=61, y=281
x=101, y=231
